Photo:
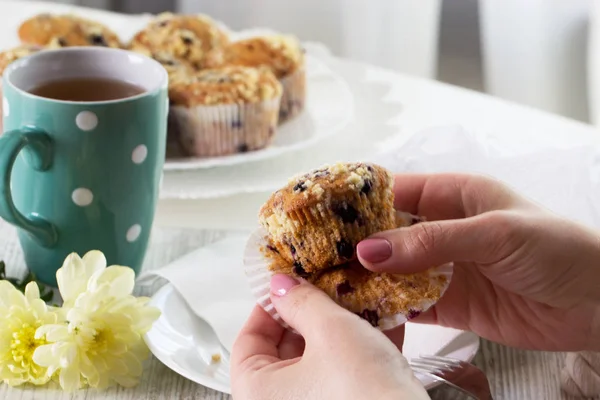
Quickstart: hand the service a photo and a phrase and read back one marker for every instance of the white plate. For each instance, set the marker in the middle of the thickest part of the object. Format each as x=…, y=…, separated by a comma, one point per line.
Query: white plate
x=185, y=343
x=329, y=107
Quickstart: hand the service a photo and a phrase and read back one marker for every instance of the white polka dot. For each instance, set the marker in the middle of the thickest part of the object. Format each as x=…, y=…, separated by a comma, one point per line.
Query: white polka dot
x=86, y=120
x=5, y=107
x=139, y=154
x=82, y=197
x=133, y=233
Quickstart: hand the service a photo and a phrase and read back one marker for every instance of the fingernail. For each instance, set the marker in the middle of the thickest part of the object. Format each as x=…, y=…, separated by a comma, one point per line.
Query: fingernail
x=281, y=284
x=374, y=250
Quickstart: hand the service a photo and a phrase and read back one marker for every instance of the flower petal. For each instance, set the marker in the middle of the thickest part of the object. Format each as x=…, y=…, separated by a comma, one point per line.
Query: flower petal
x=75, y=272
x=94, y=260
x=53, y=332
x=69, y=379
x=120, y=279
x=44, y=355
x=5, y=289
x=32, y=291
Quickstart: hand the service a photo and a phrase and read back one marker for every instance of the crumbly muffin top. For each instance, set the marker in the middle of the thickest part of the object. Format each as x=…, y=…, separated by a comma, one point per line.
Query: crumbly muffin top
x=8, y=56
x=323, y=184
x=178, y=70
x=227, y=85
x=192, y=38
x=66, y=30
x=282, y=54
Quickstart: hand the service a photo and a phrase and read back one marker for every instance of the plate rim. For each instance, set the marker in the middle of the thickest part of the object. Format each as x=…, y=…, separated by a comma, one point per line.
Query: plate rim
x=198, y=163
x=207, y=382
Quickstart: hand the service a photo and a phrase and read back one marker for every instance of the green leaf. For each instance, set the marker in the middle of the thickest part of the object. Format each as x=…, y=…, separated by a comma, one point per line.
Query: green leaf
x=46, y=293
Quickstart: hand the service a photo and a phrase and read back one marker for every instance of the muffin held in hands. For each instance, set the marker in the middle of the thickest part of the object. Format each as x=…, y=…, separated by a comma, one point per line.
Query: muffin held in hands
x=316, y=221
x=284, y=56
x=225, y=110
x=191, y=38
x=66, y=30
x=311, y=229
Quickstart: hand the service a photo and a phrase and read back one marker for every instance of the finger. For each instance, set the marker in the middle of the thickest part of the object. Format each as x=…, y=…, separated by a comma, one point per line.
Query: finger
x=484, y=239
x=450, y=196
x=256, y=344
x=304, y=307
x=291, y=346
x=396, y=335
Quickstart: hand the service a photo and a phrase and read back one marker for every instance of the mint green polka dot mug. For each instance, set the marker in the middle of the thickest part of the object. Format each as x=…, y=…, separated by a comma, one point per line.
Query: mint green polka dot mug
x=77, y=176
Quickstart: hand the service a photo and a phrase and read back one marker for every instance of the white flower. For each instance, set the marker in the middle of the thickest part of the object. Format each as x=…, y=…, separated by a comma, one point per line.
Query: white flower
x=75, y=273
x=102, y=343
x=20, y=316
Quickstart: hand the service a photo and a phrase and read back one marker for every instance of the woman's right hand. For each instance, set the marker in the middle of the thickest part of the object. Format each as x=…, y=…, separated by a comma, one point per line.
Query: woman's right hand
x=523, y=276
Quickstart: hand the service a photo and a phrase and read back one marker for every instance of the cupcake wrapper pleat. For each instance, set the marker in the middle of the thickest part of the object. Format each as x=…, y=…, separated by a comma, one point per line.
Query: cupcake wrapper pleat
x=294, y=95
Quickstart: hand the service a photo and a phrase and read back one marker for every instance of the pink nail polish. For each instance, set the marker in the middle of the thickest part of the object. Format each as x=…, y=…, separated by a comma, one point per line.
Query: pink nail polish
x=281, y=284
x=374, y=250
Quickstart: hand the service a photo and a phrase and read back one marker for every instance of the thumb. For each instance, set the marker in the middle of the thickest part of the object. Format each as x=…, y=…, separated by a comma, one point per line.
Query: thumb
x=482, y=239
x=304, y=307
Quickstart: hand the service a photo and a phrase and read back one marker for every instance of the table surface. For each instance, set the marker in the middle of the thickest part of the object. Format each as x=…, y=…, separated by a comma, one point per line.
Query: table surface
x=513, y=374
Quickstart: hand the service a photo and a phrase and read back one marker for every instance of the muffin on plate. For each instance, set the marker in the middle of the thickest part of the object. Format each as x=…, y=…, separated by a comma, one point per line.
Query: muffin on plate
x=7, y=57
x=284, y=56
x=66, y=30
x=316, y=221
x=191, y=38
x=225, y=110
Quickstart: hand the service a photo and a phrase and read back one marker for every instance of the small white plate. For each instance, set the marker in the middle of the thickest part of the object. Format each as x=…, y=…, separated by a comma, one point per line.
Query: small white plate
x=185, y=343
x=329, y=107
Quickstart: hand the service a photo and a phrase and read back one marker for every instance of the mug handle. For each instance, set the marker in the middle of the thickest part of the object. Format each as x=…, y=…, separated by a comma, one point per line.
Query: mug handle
x=41, y=151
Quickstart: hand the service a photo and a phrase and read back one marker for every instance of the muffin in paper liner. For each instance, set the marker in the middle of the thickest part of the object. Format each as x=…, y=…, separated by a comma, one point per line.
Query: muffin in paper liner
x=209, y=131
x=372, y=299
x=294, y=95
x=222, y=111
x=281, y=54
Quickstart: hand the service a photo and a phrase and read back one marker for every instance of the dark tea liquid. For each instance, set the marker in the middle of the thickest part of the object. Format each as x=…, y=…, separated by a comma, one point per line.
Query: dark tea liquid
x=86, y=89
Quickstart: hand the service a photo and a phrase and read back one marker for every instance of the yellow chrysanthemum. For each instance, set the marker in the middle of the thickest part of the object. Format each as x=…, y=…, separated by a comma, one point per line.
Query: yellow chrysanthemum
x=102, y=342
x=20, y=316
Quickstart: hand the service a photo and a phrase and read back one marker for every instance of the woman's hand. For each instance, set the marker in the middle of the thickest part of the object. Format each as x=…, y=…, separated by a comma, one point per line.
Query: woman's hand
x=523, y=276
x=338, y=356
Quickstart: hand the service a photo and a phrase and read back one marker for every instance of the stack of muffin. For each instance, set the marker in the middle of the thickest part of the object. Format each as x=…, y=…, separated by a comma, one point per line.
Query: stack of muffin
x=226, y=96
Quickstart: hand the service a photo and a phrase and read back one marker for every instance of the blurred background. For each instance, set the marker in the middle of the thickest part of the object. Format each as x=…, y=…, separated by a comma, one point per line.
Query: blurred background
x=534, y=52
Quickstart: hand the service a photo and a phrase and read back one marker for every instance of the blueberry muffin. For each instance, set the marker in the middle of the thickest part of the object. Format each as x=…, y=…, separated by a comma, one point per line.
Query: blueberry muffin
x=225, y=110
x=284, y=56
x=65, y=31
x=316, y=221
x=191, y=38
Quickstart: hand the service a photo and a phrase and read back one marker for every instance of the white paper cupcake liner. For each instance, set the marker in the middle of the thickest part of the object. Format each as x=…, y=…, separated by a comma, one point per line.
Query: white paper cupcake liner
x=210, y=131
x=294, y=95
x=256, y=266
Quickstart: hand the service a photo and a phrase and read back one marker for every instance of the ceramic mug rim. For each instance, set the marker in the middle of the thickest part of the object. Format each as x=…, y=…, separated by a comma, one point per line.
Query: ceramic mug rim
x=27, y=61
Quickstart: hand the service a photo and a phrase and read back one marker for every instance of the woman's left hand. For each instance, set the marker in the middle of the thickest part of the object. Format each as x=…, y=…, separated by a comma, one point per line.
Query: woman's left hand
x=338, y=356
